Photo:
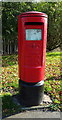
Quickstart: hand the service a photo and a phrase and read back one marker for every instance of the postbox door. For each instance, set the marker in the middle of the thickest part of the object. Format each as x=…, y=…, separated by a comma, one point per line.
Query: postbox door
x=33, y=46
x=32, y=53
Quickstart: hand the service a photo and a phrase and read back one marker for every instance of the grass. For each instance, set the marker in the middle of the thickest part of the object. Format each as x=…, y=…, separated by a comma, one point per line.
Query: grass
x=53, y=76
x=10, y=82
x=9, y=107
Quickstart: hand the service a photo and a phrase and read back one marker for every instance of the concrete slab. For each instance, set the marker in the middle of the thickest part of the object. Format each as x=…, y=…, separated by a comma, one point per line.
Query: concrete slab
x=46, y=100
x=45, y=103
x=36, y=114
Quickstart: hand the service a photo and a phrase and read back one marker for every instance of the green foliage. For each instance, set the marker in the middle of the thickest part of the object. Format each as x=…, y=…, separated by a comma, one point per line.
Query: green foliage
x=10, y=21
x=54, y=107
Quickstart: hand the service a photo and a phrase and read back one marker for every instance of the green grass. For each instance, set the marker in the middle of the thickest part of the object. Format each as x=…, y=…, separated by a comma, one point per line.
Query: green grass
x=9, y=60
x=10, y=81
x=53, y=77
x=9, y=107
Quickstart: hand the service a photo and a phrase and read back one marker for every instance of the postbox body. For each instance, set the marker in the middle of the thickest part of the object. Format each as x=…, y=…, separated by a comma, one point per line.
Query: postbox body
x=32, y=36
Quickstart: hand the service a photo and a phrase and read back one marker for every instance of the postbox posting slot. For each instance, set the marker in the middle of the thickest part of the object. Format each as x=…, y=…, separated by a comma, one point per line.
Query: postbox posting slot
x=33, y=23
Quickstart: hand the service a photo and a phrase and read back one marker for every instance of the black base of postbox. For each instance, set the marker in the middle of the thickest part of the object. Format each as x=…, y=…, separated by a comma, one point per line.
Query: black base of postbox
x=30, y=93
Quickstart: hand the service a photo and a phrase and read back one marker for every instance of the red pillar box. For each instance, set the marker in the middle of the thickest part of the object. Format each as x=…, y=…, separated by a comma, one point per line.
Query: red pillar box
x=32, y=35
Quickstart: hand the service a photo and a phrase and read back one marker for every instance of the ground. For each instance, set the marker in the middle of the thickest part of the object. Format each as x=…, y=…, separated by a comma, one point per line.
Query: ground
x=52, y=86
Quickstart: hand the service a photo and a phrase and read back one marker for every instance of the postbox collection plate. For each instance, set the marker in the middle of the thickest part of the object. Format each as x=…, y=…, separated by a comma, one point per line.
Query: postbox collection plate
x=33, y=34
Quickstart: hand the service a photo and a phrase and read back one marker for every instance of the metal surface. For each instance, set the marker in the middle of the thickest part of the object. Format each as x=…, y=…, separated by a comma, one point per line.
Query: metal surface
x=31, y=94
x=32, y=47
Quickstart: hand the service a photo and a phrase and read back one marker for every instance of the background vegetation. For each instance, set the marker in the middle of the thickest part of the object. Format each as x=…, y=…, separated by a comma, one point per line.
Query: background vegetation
x=10, y=12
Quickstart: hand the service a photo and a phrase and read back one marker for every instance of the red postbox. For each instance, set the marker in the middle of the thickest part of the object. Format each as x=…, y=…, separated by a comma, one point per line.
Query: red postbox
x=32, y=35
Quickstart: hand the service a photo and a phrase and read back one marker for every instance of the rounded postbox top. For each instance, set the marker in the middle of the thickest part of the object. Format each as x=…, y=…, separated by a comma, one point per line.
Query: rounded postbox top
x=33, y=13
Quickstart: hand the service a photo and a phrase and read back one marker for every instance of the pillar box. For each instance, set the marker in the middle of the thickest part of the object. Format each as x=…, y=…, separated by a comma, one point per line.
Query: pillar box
x=32, y=36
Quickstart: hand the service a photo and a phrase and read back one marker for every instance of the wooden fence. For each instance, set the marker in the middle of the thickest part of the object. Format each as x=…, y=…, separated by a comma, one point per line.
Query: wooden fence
x=10, y=47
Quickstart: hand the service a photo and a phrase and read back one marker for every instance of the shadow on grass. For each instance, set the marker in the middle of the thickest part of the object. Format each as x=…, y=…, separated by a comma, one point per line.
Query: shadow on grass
x=9, y=107
x=53, y=54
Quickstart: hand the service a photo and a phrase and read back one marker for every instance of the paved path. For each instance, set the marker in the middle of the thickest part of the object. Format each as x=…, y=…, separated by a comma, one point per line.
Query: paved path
x=36, y=114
